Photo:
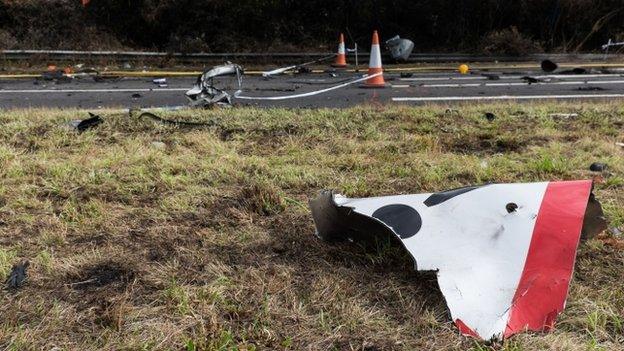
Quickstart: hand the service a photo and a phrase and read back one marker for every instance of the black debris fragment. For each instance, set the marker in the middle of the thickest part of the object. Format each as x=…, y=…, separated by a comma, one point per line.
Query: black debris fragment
x=137, y=96
x=549, y=66
x=530, y=80
x=590, y=88
x=597, y=167
x=91, y=122
x=406, y=74
x=52, y=75
x=594, y=221
x=490, y=116
x=303, y=70
x=577, y=70
x=18, y=275
x=491, y=76
x=161, y=120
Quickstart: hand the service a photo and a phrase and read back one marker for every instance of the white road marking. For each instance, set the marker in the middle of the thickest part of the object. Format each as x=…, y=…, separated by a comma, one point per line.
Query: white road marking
x=452, y=85
x=507, y=97
x=400, y=86
x=468, y=85
x=39, y=91
x=502, y=76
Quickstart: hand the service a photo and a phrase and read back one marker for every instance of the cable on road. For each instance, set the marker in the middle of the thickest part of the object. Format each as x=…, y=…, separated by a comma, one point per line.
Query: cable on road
x=311, y=93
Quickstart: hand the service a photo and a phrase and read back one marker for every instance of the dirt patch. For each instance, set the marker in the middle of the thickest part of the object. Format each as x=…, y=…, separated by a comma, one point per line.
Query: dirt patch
x=106, y=274
x=489, y=143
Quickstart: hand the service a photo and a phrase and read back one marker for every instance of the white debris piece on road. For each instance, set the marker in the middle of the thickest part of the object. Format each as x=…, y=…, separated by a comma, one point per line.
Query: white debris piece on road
x=503, y=253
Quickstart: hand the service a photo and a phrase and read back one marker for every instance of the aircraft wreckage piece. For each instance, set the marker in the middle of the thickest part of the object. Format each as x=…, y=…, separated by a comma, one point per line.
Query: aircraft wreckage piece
x=400, y=49
x=504, y=253
x=300, y=67
x=205, y=94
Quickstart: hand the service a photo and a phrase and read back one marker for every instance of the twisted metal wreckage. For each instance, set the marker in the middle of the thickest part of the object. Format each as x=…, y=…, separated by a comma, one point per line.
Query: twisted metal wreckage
x=205, y=94
x=503, y=253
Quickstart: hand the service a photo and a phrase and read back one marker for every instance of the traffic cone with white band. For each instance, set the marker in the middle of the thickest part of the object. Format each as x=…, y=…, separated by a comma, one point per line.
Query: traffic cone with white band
x=341, y=57
x=374, y=66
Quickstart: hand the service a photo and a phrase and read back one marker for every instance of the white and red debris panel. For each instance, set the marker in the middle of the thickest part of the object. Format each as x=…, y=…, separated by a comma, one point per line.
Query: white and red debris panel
x=504, y=253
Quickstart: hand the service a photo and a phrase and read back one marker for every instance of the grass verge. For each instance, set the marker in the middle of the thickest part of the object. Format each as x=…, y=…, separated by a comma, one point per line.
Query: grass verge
x=144, y=236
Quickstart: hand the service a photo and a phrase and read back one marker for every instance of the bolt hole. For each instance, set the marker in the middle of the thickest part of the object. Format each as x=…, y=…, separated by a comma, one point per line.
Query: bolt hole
x=511, y=207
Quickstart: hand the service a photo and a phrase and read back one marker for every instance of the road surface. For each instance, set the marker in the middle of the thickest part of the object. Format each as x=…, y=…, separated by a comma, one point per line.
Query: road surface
x=420, y=88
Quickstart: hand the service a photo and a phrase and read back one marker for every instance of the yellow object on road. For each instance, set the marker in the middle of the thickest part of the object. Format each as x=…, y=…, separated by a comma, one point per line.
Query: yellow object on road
x=463, y=69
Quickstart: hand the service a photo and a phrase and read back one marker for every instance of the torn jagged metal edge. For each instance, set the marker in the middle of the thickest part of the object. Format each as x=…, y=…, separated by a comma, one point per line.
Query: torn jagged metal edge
x=503, y=253
x=205, y=94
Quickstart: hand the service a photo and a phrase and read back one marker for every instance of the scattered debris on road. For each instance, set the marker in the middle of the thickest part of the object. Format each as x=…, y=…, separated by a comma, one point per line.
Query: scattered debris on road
x=576, y=70
x=104, y=79
x=296, y=68
x=590, y=88
x=57, y=76
x=503, y=253
x=491, y=76
x=549, y=66
x=18, y=275
x=531, y=80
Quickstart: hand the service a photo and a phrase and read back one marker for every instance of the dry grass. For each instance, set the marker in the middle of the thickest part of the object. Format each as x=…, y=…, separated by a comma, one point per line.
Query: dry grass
x=204, y=240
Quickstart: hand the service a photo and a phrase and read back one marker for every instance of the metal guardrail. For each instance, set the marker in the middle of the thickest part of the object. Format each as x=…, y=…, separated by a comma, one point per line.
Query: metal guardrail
x=68, y=55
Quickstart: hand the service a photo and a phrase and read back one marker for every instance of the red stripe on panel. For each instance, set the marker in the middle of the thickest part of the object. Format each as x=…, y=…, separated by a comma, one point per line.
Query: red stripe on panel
x=544, y=283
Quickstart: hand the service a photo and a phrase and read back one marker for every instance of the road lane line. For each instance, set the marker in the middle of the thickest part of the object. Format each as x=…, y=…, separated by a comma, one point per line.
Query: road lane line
x=505, y=97
x=507, y=77
x=39, y=91
x=468, y=85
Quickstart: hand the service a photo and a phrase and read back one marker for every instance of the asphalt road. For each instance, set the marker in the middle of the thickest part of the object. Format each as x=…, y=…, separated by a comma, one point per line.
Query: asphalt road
x=420, y=88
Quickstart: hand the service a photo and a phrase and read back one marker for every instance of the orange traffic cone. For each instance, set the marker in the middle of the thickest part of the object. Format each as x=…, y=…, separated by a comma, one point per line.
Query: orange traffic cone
x=341, y=57
x=374, y=66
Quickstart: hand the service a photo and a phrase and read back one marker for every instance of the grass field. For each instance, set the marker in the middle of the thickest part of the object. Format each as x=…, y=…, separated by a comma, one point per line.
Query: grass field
x=143, y=236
